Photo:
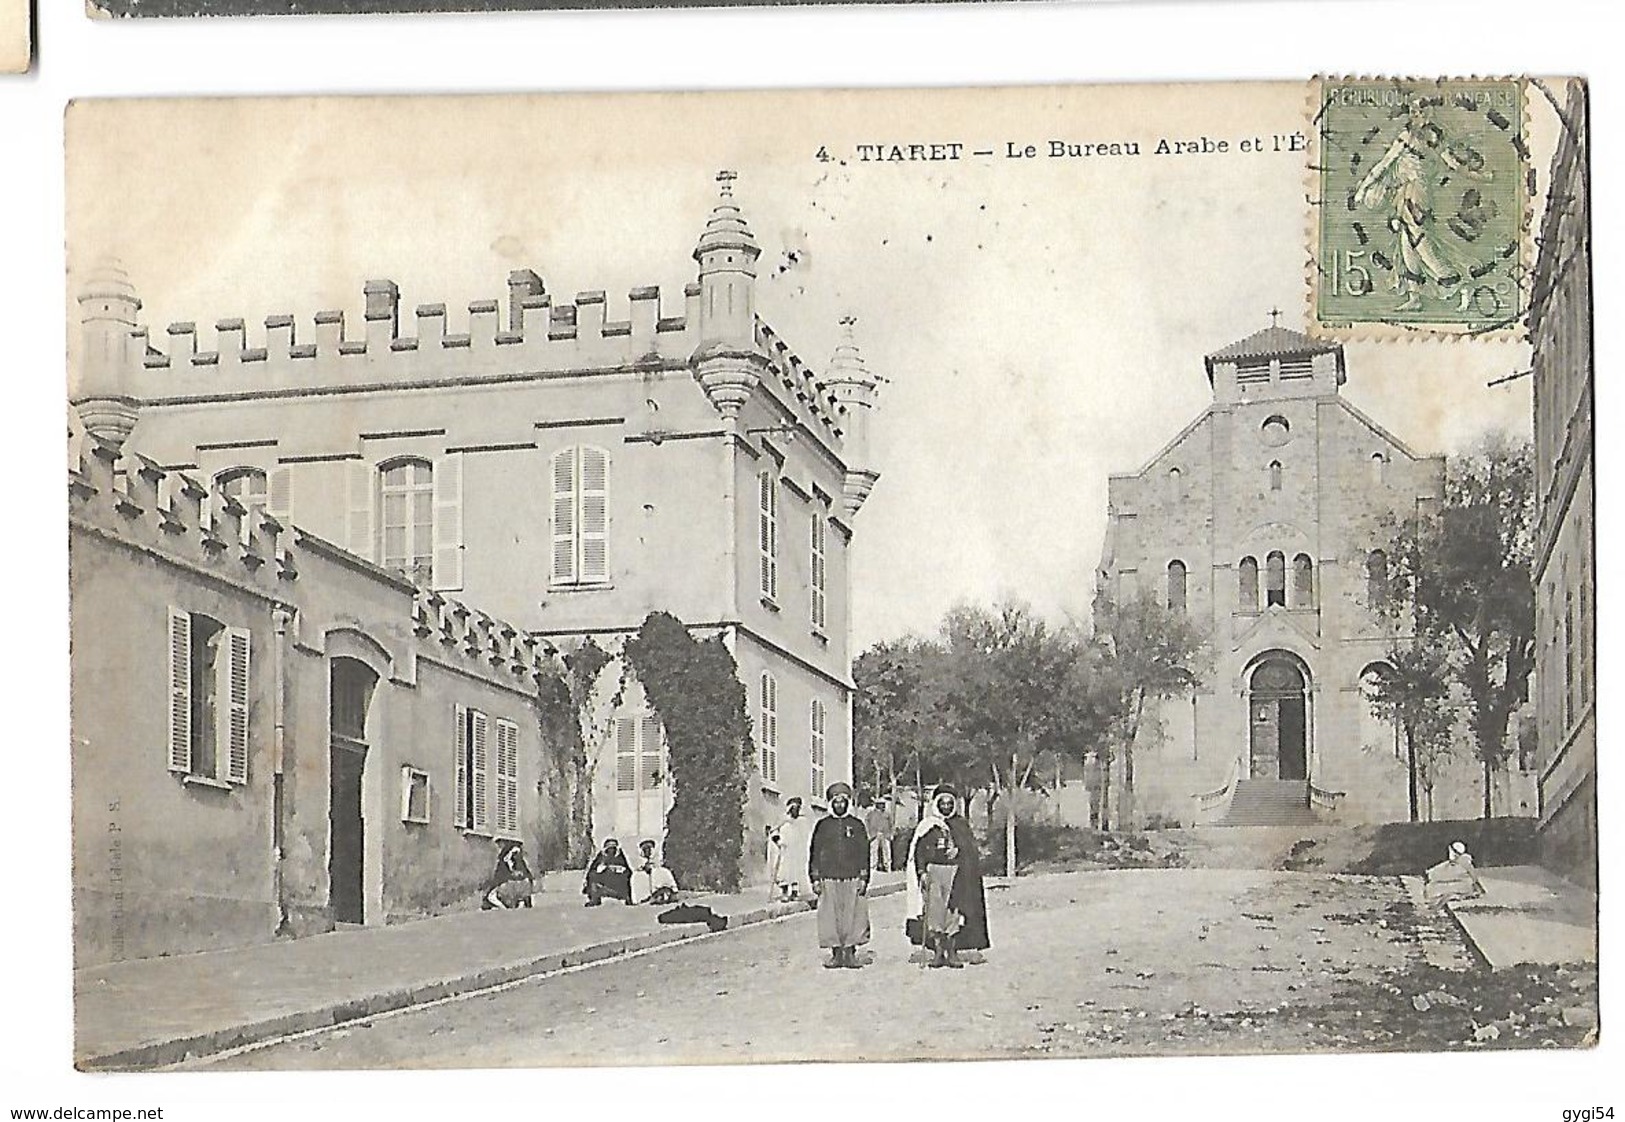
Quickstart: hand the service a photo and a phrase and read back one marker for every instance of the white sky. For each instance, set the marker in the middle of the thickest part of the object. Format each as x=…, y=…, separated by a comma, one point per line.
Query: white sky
x=1042, y=322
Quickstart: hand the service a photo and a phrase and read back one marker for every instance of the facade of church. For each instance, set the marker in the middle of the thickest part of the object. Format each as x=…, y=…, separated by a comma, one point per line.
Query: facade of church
x=1265, y=519
x=560, y=472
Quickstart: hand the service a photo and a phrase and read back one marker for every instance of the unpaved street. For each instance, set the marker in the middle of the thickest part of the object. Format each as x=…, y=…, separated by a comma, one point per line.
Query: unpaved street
x=1157, y=961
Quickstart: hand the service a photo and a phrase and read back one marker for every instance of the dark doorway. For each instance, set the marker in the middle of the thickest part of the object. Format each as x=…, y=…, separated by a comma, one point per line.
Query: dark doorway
x=352, y=684
x=1279, y=726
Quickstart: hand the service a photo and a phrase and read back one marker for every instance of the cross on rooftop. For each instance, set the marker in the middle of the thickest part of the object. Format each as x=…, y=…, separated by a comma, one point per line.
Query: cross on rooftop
x=725, y=181
x=1275, y=315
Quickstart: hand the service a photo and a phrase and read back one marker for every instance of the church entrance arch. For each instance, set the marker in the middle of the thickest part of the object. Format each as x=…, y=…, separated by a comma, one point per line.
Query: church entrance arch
x=1278, y=726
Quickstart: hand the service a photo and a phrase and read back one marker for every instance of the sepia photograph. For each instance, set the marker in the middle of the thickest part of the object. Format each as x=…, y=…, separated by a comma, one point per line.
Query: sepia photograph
x=888, y=575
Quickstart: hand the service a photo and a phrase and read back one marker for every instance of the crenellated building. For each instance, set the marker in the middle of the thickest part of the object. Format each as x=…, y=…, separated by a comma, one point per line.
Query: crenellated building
x=1565, y=558
x=1265, y=519
x=271, y=735
x=564, y=470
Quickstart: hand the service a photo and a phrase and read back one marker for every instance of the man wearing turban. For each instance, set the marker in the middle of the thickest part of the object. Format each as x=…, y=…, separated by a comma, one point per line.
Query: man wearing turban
x=838, y=862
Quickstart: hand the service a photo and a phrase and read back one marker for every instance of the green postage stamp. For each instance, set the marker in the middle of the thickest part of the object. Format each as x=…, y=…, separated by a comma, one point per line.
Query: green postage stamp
x=1423, y=204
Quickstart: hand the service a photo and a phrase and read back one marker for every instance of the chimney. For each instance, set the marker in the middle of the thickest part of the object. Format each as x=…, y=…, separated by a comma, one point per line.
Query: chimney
x=522, y=283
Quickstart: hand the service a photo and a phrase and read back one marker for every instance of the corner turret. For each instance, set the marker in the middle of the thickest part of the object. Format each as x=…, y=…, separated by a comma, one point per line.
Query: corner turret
x=107, y=322
x=854, y=388
x=727, y=361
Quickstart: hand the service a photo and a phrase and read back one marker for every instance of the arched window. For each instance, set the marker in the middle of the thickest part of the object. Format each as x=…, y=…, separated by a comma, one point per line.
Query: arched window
x=1376, y=578
x=1275, y=579
x=1303, y=581
x=1247, y=585
x=580, y=515
x=246, y=485
x=406, y=518
x=1175, y=478
x=1176, y=586
x=1379, y=469
x=1275, y=475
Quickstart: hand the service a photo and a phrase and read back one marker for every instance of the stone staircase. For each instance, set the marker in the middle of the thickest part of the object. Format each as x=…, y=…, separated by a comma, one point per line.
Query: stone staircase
x=1269, y=802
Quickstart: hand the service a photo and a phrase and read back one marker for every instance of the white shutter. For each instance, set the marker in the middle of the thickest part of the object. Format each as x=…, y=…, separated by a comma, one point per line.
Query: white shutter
x=507, y=779
x=234, y=713
x=564, y=516
x=459, y=812
x=770, y=715
x=773, y=544
x=649, y=769
x=626, y=755
x=481, y=767
x=594, y=516
x=818, y=570
x=818, y=725
x=448, y=523
x=361, y=534
x=180, y=691
x=279, y=494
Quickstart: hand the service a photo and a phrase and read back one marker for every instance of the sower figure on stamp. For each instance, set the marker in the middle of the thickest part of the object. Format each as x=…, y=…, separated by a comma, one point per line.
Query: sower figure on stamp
x=838, y=863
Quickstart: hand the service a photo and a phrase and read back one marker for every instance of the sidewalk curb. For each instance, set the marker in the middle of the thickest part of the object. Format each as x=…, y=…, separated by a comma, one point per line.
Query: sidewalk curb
x=163, y=1053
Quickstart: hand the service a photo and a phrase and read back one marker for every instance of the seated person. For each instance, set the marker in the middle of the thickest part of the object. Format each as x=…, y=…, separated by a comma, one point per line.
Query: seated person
x=652, y=882
x=1453, y=878
x=608, y=874
x=511, y=883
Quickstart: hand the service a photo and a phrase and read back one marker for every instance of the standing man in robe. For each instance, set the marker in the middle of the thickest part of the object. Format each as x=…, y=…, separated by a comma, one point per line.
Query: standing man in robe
x=947, y=908
x=838, y=863
x=795, y=841
x=878, y=824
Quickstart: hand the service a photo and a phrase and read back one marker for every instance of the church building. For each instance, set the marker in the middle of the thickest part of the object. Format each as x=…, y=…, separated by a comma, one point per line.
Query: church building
x=1263, y=519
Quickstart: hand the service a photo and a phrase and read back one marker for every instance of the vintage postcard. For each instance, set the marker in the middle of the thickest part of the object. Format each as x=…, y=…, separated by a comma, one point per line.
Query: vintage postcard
x=16, y=36
x=669, y=579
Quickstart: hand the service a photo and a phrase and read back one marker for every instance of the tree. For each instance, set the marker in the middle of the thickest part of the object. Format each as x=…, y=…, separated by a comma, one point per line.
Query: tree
x=693, y=685
x=1007, y=688
x=1148, y=652
x=897, y=718
x=1411, y=691
x=1462, y=575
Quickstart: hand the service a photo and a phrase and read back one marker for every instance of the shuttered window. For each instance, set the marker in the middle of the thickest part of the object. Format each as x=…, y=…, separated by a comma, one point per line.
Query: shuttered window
x=248, y=487
x=768, y=533
x=486, y=774
x=580, y=486
x=208, y=669
x=819, y=721
x=820, y=531
x=639, y=754
x=768, y=727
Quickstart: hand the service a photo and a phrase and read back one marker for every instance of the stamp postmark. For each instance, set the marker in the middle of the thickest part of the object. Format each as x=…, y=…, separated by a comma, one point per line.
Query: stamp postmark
x=1423, y=216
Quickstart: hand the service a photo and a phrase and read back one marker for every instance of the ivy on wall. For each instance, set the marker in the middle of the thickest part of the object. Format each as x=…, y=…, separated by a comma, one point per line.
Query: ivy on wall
x=693, y=685
x=565, y=833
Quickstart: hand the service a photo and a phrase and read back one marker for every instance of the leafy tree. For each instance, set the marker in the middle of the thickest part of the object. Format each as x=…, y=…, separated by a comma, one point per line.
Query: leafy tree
x=1411, y=691
x=898, y=724
x=1009, y=690
x=694, y=687
x=1147, y=653
x=1461, y=573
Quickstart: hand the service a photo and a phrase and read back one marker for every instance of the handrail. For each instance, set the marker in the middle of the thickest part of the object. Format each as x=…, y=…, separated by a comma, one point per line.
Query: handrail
x=1208, y=798
x=1324, y=800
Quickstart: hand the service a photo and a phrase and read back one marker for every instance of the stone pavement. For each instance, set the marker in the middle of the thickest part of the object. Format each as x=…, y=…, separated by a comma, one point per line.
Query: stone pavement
x=153, y=1012
x=1529, y=915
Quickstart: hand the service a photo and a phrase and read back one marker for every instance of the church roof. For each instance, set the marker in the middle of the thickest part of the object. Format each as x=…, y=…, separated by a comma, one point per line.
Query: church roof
x=1274, y=342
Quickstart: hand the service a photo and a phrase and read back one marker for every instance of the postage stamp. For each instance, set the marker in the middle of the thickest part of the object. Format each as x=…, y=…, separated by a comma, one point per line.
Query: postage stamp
x=1422, y=222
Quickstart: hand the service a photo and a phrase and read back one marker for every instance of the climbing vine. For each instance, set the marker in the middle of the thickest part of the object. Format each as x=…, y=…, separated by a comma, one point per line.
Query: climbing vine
x=693, y=685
